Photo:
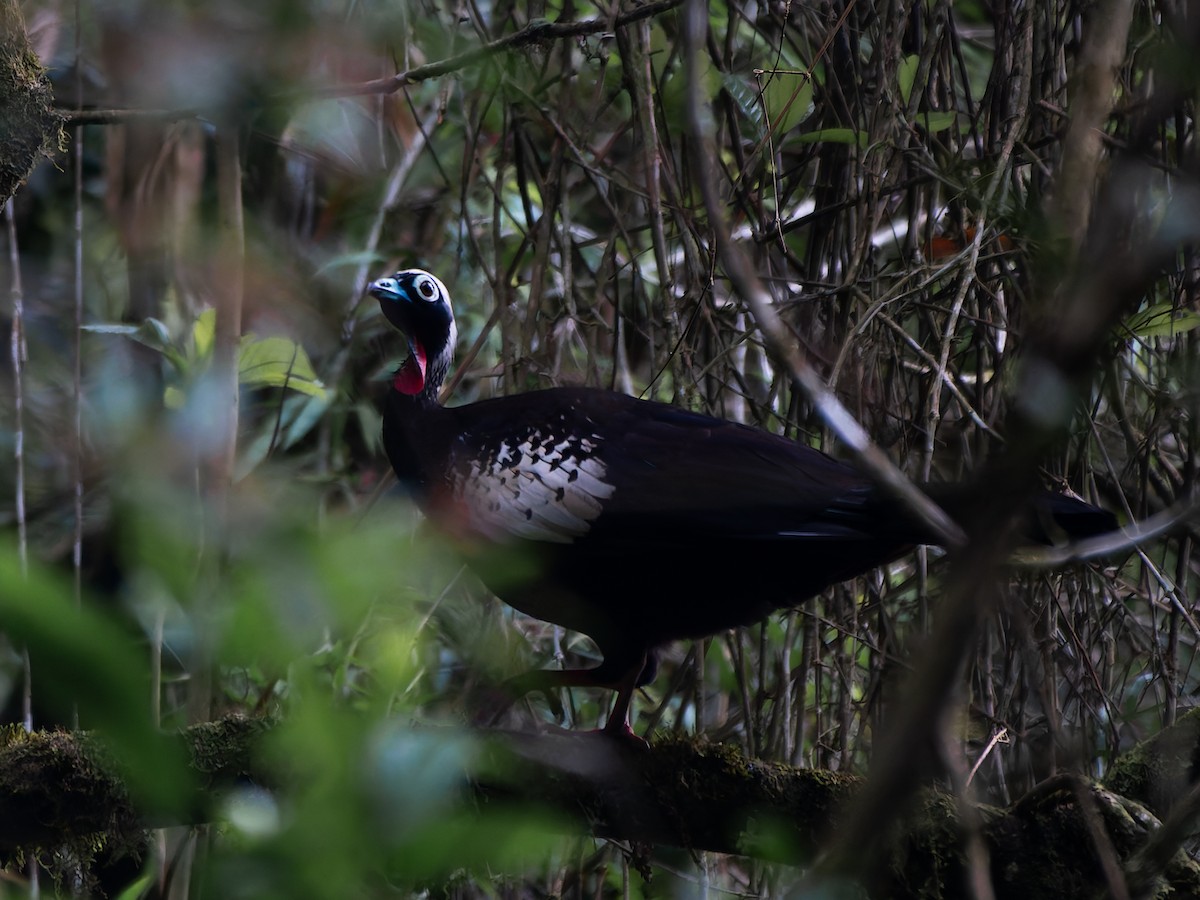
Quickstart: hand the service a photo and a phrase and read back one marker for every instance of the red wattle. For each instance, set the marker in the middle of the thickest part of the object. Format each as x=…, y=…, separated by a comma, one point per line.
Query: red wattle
x=410, y=379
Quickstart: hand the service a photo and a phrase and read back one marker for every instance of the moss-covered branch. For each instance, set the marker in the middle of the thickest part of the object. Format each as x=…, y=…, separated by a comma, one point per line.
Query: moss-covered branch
x=1060, y=841
x=29, y=127
x=59, y=788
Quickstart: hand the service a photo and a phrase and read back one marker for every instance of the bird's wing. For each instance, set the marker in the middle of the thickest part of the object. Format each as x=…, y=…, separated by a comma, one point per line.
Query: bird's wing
x=529, y=482
x=557, y=465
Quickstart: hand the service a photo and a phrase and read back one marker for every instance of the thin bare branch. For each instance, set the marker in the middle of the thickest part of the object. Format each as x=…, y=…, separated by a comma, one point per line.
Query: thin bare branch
x=779, y=343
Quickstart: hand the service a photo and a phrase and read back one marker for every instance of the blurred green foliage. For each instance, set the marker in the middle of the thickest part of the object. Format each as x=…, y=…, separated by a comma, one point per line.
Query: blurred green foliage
x=307, y=586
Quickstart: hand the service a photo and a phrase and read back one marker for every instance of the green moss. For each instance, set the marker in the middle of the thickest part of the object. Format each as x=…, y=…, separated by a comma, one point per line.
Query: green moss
x=29, y=125
x=64, y=783
x=1159, y=771
x=221, y=749
x=12, y=733
x=771, y=810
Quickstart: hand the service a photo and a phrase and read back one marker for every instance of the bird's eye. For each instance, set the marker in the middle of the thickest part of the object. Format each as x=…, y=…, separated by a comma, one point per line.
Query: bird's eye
x=426, y=288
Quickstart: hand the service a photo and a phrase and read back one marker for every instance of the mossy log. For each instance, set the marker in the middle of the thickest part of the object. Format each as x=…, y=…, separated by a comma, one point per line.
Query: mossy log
x=1063, y=840
x=29, y=126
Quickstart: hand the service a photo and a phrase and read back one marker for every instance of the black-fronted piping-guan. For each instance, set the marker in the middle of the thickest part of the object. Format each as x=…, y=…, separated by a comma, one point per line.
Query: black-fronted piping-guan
x=634, y=522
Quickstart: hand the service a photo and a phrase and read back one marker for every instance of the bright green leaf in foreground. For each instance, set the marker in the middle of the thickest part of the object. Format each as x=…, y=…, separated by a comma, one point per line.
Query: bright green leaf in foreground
x=81, y=659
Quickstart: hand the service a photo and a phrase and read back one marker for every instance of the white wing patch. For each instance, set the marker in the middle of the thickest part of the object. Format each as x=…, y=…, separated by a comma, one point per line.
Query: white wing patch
x=537, y=487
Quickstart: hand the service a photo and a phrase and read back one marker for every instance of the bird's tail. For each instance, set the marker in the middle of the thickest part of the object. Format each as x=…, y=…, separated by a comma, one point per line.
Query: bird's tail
x=1058, y=518
x=1052, y=518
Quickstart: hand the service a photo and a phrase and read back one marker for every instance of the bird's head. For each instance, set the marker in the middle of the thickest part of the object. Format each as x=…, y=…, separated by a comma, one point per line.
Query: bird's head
x=418, y=304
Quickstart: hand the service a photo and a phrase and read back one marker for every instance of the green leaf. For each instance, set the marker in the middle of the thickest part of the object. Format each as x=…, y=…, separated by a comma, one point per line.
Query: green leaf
x=297, y=418
x=152, y=332
x=675, y=86
x=833, y=136
x=203, y=333
x=789, y=100
x=277, y=362
x=110, y=328
x=81, y=659
x=746, y=100
x=139, y=887
x=906, y=74
x=1162, y=320
x=370, y=423
x=934, y=122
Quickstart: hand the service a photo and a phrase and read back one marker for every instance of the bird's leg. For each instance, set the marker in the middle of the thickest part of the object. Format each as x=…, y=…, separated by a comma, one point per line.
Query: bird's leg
x=623, y=674
x=618, y=720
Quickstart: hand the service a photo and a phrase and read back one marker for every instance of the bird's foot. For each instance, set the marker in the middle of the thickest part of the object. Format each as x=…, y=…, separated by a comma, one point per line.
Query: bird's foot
x=621, y=731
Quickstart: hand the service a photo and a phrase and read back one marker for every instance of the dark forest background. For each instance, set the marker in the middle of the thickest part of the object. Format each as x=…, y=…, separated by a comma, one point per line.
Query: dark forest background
x=943, y=201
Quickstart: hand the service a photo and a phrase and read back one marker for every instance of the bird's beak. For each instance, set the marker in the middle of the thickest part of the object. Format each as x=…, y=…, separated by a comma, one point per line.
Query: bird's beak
x=394, y=302
x=384, y=289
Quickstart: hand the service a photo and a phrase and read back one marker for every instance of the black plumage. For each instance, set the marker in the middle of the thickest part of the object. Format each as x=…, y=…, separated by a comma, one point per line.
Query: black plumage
x=634, y=522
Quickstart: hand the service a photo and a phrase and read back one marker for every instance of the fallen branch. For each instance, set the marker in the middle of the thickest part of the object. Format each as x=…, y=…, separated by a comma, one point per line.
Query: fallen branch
x=59, y=789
